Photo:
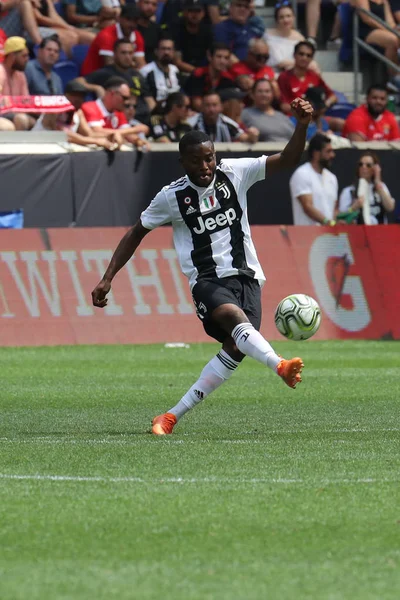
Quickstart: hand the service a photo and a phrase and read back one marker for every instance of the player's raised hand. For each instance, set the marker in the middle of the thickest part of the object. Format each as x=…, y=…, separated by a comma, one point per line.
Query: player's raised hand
x=302, y=110
x=99, y=294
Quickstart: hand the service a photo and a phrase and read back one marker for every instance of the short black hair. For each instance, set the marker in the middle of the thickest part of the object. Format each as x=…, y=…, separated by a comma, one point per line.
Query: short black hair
x=380, y=87
x=51, y=38
x=193, y=138
x=166, y=37
x=121, y=41
x=175, y=99
x=211, y=92
x=317, y=143
x=304, y=43
x=114, y=83
x=218, y=46
x=130, y=12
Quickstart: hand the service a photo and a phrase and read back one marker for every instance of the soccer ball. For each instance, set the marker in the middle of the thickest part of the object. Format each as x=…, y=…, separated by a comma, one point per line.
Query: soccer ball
x=298, y=317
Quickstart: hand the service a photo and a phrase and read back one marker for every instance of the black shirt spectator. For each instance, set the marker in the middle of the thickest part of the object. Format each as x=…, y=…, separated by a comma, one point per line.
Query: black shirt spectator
x=150, y=31
x=192, y=36
x=172, y=126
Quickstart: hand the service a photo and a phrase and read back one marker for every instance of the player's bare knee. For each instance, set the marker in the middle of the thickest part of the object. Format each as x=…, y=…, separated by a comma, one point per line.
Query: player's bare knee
x=228, y=316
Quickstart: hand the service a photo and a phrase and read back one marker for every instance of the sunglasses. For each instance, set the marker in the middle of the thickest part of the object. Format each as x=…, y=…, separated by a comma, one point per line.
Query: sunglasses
x=365, y=164
x=129, y=105
x=262, y=57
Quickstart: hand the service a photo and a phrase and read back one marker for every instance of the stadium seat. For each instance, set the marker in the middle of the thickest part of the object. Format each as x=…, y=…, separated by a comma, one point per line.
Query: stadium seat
x=79, y=53
x=67, y=70
x=340, y=110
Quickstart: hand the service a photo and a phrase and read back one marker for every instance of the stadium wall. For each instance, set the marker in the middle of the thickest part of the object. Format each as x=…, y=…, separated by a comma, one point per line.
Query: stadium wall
x=99, y=189
x=46, y=277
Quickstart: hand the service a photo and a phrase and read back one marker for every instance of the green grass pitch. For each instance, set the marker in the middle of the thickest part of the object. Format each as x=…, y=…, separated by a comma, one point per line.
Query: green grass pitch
x=262, y=492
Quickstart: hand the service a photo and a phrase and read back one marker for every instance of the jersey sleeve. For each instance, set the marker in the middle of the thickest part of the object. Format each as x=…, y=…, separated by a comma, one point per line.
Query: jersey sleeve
x=300, y=184
x=139, y=50
x=248, y=170
x=157, y=213
x=394, y=130
x=92, y=116
x=105, y=43
x=284, y=86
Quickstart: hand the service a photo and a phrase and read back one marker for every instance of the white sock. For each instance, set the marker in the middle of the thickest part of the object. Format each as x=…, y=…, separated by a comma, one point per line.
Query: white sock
x=218, y=370
x=251, y=342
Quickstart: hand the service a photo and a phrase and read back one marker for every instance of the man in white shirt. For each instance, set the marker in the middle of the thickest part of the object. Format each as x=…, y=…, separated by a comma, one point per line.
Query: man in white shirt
x=313, y=188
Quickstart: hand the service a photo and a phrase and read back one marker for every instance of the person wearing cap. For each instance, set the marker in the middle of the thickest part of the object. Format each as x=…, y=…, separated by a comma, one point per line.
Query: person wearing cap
x=317, y=98
x=40, y=74
x=150, y=30
x=236, y=30
x=272, y=124
x=214, y=76
x=74, y=122
x=232, y=106
x=172, y=126
x=101, y=50
x=12, y=79
x=254, y=67
x=193, y=37
x=216, y=125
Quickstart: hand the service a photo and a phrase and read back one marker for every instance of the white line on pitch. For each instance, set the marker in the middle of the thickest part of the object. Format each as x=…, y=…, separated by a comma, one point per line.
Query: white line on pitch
x=182, y=480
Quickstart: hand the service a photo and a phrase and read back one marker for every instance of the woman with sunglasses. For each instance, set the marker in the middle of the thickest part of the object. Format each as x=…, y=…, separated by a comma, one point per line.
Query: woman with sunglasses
x=283, y=38
x=368, y=182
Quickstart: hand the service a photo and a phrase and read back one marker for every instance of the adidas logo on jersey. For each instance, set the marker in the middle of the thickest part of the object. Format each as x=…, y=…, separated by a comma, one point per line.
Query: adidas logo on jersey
x=190, y=210
x=219, y=222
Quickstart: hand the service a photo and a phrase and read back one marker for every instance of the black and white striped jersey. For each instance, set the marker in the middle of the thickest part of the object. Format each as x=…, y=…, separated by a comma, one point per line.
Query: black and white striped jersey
x=211, y=229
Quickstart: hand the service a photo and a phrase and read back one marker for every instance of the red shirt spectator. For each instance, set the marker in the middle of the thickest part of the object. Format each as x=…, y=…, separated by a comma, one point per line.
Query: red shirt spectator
x=241, y=68
x=101, y=50
x=98, y=116
x=3, y=38
x=383, y=127
x=201, y=82
x=292, y=87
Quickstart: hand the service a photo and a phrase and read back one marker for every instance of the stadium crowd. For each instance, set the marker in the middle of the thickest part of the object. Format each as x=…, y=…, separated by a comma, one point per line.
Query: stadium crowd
x=148, y=72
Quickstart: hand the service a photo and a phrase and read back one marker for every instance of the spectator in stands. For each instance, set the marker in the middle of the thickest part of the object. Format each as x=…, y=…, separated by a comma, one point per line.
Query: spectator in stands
x=74, y=123
x=235, y=31
x=150, y=31
x=395, y=8
x=373, y=33
x=232, y=106
x=122, y=67
x=272, y=125
x=136, y=127
x=295, y=82
x=283, y=38
x=101, y=51
x=50, y=23
x=88, y=13
x=212, y=77
x=372, y=121
x=106, y=116
x=193, y=37
x=12, y=79
x=161, y=75
x=379, y=198
x=254, y=67
x=317, y=98
x=313, y=187
x=17, y=19
x=42, y=79
x=219, y=127
x=172, y=126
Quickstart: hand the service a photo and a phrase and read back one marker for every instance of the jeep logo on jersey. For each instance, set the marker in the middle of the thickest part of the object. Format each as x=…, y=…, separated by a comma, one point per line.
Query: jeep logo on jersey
x=220, y=221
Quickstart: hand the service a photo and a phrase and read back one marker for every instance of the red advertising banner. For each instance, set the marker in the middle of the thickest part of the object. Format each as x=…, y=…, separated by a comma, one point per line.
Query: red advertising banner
x=34, y=104
x=46, y=277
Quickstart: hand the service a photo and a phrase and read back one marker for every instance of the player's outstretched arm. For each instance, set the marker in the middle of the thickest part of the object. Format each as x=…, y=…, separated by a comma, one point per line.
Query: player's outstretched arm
x=291, y=154
x=122, y=254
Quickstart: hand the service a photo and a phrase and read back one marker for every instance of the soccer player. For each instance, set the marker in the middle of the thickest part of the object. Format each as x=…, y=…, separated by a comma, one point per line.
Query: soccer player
x=208, y=211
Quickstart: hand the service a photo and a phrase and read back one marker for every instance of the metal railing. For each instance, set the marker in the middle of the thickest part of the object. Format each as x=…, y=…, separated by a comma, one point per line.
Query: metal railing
x=359, y=43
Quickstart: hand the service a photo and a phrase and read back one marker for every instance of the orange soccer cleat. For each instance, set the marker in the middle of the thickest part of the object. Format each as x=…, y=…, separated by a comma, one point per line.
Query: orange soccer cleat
x=163, y=424
x=290, y=371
